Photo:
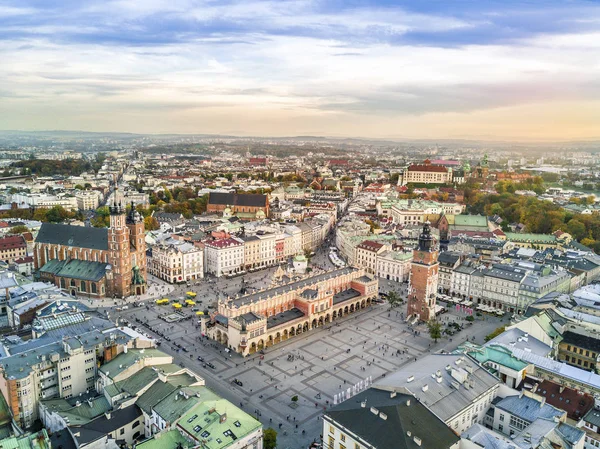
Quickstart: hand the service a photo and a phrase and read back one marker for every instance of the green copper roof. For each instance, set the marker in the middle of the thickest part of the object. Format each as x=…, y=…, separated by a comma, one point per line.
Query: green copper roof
x=471, y=220
x=39, y=440
x=85, y=270
x=179, y=401
x=164, y=440
x=134, y=384
x=126, y=359
x=217, y=423
x=497, y=354
x=545, y=323
x=530, y=238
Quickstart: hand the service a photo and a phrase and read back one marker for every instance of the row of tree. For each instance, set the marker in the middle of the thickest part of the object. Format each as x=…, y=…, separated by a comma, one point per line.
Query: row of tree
x=65, y=167
x=538, y=216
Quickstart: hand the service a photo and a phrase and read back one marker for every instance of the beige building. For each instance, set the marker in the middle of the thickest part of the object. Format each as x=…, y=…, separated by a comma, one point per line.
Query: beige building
x=176, y=262
x=426, y=173
x=367, y=253
x=252, y=322
x=87, y=199
x=394, y=265
x=224, y=257
x=58, y=370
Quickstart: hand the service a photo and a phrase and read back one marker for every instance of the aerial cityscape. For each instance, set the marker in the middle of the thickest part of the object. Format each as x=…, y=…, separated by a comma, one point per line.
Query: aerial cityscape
x=299, y=225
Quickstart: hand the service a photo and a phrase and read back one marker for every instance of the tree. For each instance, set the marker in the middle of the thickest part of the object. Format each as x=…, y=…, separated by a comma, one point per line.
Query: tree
x=269, y=438
x=79, y=187
x=151, y=224
x=494, y=334
x=576, y=228
x=102, y=218
x=394, y=299
x=295, y=398
x=435, y=330
x=57, y=214
x=40, y=215
x=19, y=229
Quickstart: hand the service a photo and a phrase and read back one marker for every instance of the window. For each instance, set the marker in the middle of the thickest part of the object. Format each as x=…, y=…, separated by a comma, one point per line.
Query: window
x=501, y=417
x=121, y=431
x=331, y=429
x=342, y=437
x=500, y=427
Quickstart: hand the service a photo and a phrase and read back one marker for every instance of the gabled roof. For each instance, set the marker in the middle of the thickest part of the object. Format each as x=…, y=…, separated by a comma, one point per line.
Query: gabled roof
x=75, y=236
x=236, y=199
x=12, y=242
x=391, y=422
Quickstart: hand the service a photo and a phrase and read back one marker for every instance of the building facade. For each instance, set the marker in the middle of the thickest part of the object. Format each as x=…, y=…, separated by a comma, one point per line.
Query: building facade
x=12, y=247
x=252, y=322
x=224, y=257
x=426, y=173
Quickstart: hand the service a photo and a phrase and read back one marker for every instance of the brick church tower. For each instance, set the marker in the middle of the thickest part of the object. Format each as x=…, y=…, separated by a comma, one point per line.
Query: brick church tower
x=423, y=278
x=119, y=251
x=137, y=241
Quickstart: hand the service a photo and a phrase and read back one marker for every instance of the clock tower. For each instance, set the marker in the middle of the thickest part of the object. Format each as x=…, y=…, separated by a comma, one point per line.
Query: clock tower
x=423, y=285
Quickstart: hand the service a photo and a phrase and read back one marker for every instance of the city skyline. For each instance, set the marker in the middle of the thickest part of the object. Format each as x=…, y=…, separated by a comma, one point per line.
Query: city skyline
x=379, y=69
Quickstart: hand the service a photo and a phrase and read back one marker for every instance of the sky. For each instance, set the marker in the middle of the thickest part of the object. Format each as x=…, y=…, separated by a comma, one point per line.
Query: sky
x=477, y=69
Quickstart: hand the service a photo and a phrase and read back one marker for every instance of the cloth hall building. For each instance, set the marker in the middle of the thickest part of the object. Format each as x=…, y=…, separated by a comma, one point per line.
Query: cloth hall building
x=249, y=323
x=94, y=262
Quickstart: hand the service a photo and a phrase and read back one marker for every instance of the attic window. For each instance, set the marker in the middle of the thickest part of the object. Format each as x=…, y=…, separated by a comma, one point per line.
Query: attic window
x=197, y=429
x=237, y=424
x=192, y=418
x=205, y=434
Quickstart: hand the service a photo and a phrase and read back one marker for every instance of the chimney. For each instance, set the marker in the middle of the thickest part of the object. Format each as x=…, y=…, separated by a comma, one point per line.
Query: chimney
x=408, y=402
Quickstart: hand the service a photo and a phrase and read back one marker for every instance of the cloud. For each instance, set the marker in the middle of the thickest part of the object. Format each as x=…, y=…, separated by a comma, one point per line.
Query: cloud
x=304, y=60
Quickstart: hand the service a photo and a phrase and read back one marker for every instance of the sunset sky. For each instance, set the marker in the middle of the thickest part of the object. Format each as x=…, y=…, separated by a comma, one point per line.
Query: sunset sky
x=510, y=70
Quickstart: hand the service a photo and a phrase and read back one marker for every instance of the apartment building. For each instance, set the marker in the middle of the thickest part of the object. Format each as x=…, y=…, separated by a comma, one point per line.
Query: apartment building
x=425, y=173
x=58, y=369
x=367, y=253
x=455, y=387
x=87, y=199
x=224, y=256
x=394, y=265
x=377, y=418
x=12, y=247
x=580, y=350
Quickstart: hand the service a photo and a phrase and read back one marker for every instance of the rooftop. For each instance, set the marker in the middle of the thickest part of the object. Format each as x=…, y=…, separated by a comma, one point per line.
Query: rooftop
x=446, y=383
x=76, y=236
x=528, y=409
x=217, y=423
x=391, y=421
x=303, y=283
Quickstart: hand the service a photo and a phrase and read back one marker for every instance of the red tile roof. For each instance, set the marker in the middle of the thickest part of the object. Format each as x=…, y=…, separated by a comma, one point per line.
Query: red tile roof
x=370, y=245
x=428, y=168
x=571, y=401
x=26, y=259
x=12, y=242
x=223, y=243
